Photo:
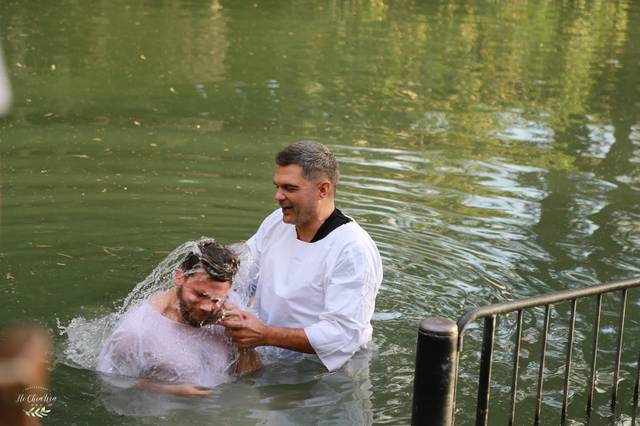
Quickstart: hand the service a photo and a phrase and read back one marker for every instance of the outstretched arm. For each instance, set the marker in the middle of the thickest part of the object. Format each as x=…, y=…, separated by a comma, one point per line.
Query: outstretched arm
x=185, y=389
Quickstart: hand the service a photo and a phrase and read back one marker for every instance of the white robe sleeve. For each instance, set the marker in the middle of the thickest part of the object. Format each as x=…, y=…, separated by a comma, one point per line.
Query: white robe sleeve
x=349, y=303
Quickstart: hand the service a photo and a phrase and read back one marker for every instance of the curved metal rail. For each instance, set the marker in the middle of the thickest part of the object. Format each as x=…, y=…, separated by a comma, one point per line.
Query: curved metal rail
x=449, y=361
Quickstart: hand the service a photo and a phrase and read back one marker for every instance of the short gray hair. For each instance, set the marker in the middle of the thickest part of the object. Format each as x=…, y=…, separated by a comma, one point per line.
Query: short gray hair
x=315, y=159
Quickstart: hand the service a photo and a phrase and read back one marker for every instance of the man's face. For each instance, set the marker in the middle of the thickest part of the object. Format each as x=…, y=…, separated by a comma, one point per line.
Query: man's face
x=297, y=196
x=201, y=298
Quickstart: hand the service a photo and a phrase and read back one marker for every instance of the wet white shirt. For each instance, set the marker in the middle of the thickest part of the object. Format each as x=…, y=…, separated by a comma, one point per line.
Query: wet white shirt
x=328, y=287
x=146, y=344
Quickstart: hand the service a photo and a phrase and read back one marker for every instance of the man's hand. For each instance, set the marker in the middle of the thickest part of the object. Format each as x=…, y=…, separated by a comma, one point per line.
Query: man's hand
x=245, y=329
x=231, y=312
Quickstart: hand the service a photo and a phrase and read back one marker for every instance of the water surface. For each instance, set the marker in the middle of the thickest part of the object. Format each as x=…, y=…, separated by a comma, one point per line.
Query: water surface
x=491, y=149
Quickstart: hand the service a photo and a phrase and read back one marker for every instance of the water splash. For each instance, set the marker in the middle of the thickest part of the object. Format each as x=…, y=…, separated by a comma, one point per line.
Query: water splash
x=85, y=336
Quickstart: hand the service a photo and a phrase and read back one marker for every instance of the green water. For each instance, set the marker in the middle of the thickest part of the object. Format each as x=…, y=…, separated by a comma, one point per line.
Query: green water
x=491, y=149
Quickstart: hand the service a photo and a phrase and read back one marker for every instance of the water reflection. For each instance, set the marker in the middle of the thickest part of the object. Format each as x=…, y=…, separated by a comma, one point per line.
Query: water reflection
x=280, y=394
x=520, y=232
x=491, y=149
x=518, y=127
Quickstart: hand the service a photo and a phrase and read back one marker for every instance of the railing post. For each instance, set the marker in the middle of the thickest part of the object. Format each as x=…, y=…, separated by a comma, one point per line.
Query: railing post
x=435, y=374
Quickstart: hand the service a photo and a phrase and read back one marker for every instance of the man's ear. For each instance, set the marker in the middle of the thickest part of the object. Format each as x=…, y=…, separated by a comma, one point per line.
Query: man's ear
x=325, y=189
x=179, y=277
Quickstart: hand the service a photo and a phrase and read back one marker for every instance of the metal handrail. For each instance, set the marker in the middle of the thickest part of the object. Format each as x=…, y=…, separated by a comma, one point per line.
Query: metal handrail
x=547, y=299
x=440, y=342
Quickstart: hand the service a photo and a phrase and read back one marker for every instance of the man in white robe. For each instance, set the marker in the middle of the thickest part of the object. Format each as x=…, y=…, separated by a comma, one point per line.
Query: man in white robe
x=318, y=271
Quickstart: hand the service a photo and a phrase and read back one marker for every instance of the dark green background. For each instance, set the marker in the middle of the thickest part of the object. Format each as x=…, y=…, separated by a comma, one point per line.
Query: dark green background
x=491, y=148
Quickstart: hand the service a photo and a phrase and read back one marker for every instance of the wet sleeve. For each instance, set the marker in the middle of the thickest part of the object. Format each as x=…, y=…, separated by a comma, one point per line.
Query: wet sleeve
x=345, y=323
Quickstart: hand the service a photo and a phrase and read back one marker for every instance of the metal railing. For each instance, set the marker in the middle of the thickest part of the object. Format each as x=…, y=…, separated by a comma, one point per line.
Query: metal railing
x=440, y=343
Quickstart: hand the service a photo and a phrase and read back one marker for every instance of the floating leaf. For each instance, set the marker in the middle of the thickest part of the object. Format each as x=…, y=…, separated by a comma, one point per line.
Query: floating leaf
x=85, y=156
x=216, y=6
x=144, y=58
x=9, y=277
x=410, y=94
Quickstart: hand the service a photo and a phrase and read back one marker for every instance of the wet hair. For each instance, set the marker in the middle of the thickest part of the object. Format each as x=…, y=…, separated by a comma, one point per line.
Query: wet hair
x=215, y=259
x=315, y=159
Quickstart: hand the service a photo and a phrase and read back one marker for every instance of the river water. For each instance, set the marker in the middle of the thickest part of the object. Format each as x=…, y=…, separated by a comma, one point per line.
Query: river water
x=491, y=149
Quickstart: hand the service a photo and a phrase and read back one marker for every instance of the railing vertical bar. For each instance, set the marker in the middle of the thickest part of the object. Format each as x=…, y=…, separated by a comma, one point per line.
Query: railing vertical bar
x=543, y=350
x=636, y=390
x=455, y=379
x=567, y=367
x=482, y=411
x=594, y=355
x=616, y=373
x=433, y=384
x=516, y=366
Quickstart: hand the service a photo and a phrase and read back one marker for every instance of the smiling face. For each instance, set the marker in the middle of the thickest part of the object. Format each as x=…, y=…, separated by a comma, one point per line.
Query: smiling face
x=298, y=197
x=200, y=298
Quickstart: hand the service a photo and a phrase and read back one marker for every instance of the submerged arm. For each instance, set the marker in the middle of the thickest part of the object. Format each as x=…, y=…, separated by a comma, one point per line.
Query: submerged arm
x=248, y=362
x=186, y=389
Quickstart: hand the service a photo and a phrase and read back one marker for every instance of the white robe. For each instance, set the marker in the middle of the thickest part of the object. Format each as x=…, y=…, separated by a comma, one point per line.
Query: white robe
x=328, y=287
x=146, y=344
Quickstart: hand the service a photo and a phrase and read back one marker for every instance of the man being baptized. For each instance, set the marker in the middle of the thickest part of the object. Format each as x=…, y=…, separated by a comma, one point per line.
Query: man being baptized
x=171, y=342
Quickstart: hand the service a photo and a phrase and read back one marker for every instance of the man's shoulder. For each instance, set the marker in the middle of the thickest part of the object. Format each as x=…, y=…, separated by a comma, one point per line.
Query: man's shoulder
x=351, y=244
x=274, y=218
x=136, y=319
x=272, y=223
x=352, y=234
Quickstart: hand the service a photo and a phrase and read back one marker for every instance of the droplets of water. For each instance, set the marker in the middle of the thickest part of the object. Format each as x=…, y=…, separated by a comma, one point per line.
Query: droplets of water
x=84, y=336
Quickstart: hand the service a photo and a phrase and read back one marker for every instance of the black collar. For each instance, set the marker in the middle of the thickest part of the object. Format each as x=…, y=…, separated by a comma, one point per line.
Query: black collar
x=335, y=220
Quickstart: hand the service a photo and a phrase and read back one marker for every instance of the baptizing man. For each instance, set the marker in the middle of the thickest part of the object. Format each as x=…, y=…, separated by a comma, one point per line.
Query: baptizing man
x=170, y=342
x=318, y=271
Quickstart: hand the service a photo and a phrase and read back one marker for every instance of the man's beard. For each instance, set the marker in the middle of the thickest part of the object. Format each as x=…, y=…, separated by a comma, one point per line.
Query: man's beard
x=186, y=313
